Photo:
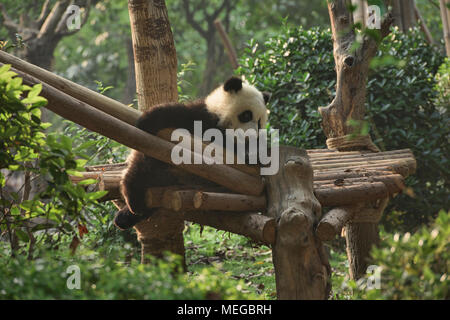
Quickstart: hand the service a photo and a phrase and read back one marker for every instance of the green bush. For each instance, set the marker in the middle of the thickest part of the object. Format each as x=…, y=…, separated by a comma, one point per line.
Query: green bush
x=297, y=66
x=412, y=266
x=106, y=277
x=26, y=150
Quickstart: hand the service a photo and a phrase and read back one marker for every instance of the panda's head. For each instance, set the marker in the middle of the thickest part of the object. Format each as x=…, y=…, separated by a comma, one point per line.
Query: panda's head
x=238, y=105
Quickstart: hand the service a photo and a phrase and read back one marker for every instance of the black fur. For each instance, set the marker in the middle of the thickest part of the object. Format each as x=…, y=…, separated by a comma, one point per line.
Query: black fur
x=144, y=172
x=232, y=84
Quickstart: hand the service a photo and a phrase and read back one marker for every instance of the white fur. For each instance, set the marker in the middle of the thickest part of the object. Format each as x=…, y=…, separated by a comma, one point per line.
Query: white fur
x=228, y=106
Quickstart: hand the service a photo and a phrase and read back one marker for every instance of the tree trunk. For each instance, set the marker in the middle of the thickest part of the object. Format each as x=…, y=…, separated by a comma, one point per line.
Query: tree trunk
x=210, y=67
x=445, y=15
x=129, y=93
x=156, y=82
x=404, y=14
x=302, y=270
x=359, y=15
x=352, y=69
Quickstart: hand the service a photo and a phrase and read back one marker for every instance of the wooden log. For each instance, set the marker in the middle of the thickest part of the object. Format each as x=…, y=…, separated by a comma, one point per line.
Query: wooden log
x=362, y=236
x=175, y=197
x=341, y=196
x=332, y=223
x=302, y=270
x=95, y=99
x=228, y=202
x=160, y=197
x=326, y=191
x=366, y=163
x=393, y=182
x=363, y=157
x=400, y=168
x=253, y=170
x=152, y=146
x=109, y=183
x=257, y=227
x=318, y=153
x=183, y=200
x=105, y=182
x=341, y=174
x=107, y=167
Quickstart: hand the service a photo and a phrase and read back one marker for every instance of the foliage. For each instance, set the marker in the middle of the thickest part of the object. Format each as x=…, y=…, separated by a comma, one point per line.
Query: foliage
x=106, y=277
x=443, y=86
x=99, y=49
x=412, y=266
x=297, y=66
x=231, y=253
x=25, y=149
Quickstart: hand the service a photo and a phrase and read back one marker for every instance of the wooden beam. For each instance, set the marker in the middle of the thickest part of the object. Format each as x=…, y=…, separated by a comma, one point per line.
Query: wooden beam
x=302, y=270
x=228, y=202
x=105, y=124
x=332, y=223
x=95, y=99
x=257, y=227
x=345, y=195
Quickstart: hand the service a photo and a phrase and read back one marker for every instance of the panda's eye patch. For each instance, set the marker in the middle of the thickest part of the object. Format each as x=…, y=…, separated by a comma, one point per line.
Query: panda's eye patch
x=245, y=116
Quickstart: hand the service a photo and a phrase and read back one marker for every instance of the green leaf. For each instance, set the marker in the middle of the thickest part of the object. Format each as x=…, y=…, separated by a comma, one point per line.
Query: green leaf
x=23, y=236
x=35, y=90
x=87, y=182
x=86, y=145
x=97, y=195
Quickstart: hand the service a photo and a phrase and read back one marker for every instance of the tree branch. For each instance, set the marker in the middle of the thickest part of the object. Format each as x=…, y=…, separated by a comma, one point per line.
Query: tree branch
x=51, y=22
x=63, y=32
x=191, y=20
x=7, y=21
x=218, y=11
x=44, y=13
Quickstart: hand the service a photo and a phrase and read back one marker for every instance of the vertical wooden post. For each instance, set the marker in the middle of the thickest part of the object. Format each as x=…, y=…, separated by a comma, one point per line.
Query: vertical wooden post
x=404, y=14
x=445, y=15
x=408, y=14
x=156, y=82
x=359, y=15
x=352, y=68
x=302, y=270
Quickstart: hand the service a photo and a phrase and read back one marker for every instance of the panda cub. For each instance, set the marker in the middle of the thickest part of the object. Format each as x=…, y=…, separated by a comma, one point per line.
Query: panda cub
x=233, y=105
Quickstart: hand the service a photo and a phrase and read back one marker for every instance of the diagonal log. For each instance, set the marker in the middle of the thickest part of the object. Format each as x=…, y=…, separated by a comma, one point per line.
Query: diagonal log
x=90, y=97
x=128, y=135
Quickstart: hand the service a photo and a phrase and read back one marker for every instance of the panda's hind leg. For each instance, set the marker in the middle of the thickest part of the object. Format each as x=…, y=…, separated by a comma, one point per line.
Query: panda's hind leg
x=125, y=219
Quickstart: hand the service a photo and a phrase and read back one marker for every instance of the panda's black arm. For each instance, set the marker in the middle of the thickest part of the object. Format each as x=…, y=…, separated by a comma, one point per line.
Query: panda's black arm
x=176, y=116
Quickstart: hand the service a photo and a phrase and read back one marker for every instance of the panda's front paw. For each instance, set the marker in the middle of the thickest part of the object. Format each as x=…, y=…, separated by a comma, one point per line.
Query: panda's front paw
x=124, y=219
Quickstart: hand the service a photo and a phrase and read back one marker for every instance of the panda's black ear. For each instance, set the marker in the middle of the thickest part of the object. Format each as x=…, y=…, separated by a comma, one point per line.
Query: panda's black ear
x=232, y=84
x=266, y=96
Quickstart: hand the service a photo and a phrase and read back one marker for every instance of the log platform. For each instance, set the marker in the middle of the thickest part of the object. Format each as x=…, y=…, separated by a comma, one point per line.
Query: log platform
x=340, y=178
